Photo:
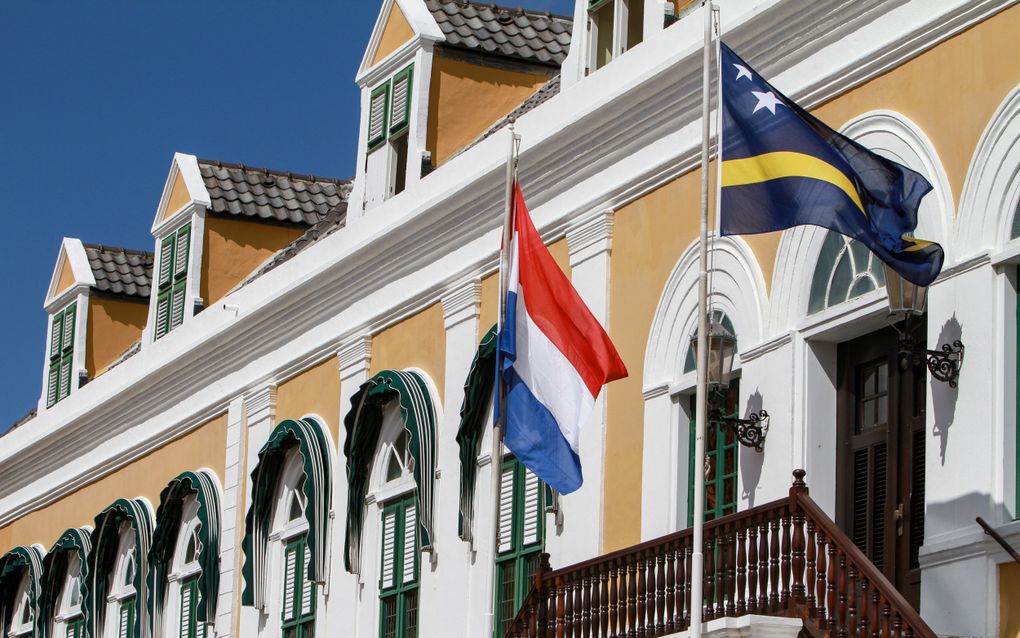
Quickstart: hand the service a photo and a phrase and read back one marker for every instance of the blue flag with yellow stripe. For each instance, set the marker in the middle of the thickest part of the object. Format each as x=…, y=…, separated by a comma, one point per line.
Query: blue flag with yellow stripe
x=782, y=167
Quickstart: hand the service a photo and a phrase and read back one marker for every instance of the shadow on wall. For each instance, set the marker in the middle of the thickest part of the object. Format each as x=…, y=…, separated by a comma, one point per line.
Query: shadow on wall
x=944, y=397
x=958, y=514
x=751, y=461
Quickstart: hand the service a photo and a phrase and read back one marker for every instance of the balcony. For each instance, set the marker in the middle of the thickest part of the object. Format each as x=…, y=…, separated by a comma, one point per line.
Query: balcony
x=786, y=559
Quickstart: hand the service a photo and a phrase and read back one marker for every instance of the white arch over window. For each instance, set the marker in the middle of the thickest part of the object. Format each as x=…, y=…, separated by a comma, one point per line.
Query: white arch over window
x=891, y=135
x=738, y=291
x=991, y=190
x=185, y=566
x=69, y=605
x=122, y=601
x=22, y=621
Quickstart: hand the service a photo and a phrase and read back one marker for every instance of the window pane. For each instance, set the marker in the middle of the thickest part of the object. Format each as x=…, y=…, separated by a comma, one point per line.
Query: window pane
x=389, y=617
x=411, y=614
x=506, y=596
x=841, y=278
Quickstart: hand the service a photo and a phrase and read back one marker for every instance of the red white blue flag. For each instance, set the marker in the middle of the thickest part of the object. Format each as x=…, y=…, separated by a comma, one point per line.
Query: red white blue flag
x=554, y=359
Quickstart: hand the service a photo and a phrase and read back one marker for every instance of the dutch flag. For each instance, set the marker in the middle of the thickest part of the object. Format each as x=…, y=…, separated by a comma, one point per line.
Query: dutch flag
x=555, y=358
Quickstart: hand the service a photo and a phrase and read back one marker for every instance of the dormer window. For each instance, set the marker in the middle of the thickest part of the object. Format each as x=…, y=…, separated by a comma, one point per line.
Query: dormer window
x=60, y=377
x=389, y=120
x=172, y=281
x=614, y=26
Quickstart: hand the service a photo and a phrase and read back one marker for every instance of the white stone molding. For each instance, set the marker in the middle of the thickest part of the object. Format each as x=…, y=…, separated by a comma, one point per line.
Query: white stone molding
x=260, y=406
x=590, y=237
x=462, y=303
x=991, y=190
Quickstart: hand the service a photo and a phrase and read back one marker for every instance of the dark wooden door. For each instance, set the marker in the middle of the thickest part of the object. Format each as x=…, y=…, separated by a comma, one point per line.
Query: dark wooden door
x=880, y=459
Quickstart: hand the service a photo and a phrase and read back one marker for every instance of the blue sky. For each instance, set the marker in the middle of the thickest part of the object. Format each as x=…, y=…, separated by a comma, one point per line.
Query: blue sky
x=96, y=97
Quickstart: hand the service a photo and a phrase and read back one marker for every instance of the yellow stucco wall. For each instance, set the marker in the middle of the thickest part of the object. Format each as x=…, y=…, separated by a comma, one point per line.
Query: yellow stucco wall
x=314, y=391
x=66, y=278
x=416, y=342
x=980, y=63
x=234, y=248
x=1009, y=601
x=114, y=325
x=179, y=196
x=395, y=33
x=466, y=99
x=204, y=447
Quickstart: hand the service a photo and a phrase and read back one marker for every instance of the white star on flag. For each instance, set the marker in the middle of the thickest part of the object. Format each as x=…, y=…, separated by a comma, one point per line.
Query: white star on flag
x=766, y=100
x=743, y=72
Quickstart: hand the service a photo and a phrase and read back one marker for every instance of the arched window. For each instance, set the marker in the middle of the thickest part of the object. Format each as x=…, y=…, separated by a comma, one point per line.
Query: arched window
x=20, y=586
x=184, y=560
x=285, y=530
x=846, y=269
x=115, y=597
x=63, y=593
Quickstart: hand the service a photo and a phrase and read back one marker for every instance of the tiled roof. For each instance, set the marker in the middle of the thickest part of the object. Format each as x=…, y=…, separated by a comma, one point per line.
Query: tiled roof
x=119, y=270
x=518, y=33
x=260, y=193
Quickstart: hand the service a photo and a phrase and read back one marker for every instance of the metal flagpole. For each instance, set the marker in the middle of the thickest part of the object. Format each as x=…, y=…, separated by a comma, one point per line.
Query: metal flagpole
x=499, y=429
x=698, y=557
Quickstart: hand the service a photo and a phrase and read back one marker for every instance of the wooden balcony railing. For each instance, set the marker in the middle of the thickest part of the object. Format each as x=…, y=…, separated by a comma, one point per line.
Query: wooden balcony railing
x=785, y=558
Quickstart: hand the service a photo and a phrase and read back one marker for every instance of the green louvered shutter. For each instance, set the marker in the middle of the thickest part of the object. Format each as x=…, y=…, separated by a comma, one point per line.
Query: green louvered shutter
x=290, y=559
x=189, y=600
x=378, y=109
x=400, y=110
x=59, y=378
x=521, y=539
x=53, y=381
x=174, y=253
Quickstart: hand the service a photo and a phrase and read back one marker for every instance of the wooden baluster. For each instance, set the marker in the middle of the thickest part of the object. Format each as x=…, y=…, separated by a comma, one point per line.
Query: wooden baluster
x=731, y=569
x=685, y=585
x=897, y=626
x=811, y=560
x=708, y=600
x=648, y=614
x=632, y=598
x=741, y=607
x=720, y=572
x=763, y=566
x=852, y=611
x=586, y=605
x=671, y=616
x=864, y=609
x=660, y=591
x=542, y=590
x=752, y=566
x=841, y=605
x=785, y=562
x=830, y=587
x=579, y=607
x=568, y=612
x=604, y=602
x=774, y=565
x=612, y=598
x=886, y=619
x=875, y=625
x=820, y=582
x=798, y=555
x=642, y=595
x=561, y=608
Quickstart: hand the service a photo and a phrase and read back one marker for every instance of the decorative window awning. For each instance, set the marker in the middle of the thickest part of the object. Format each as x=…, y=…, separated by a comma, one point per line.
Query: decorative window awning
x=474, y=415
x=363, y=424
x=13, y=566
x=313, y=444
x=76, y=542
x=102, y=559
x=169, y=518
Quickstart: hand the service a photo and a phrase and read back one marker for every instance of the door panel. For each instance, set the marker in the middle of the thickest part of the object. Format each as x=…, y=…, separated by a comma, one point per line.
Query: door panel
x=880, y=462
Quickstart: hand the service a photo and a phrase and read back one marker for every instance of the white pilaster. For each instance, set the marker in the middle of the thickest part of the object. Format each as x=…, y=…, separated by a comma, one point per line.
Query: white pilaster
x=233, y=520
x=589, y=242
x=259, y=415
x=454, y=579
x=352, y=608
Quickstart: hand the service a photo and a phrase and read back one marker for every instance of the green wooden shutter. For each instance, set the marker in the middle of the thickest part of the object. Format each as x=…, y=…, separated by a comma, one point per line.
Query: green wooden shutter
x=53, y=383
x=505, y=541
x=56, y=331
x=166, y=261
x=182, y=248
x=306, y=584
x=410, y=532
x=400, y=111
x=67, y=341
x=531, y=509
x=389, y=542
x=189, y=600
x=289, y=580
x=126, y=627
x=377, y=111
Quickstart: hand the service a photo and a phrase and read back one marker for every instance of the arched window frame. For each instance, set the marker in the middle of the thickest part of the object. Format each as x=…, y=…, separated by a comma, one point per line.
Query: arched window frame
x=70, y=603
x=121, y=598
x=108, y=565
x=22, y=619
x=20, y=591
x=65, y=565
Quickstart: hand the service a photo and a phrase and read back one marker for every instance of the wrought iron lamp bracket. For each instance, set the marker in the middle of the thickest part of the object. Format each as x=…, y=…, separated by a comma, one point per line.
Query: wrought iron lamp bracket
x=944, y=364
x=750, y=432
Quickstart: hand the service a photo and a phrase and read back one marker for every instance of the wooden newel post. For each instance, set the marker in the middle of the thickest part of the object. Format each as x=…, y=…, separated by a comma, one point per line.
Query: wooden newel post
x=798, y=489
x=544, y=599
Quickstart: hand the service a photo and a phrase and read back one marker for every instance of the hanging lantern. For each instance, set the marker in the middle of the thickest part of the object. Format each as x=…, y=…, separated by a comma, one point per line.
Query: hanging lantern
x=722, y=348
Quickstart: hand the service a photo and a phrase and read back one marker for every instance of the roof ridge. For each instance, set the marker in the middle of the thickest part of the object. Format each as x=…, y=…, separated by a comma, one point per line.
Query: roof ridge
x=105, y=248
x=271, y=171
x=518, y=9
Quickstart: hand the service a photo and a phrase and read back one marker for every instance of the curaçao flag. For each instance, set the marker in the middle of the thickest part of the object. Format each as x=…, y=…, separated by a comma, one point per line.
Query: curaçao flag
x=783, y=167
x=554, y=359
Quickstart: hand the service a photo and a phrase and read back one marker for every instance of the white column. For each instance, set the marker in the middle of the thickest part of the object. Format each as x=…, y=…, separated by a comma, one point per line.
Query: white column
x=573, y=67
x=352, y=607
x=259, y=415
x=662, y=451
x=232, y=524
x=453, y=582
x=589, y=242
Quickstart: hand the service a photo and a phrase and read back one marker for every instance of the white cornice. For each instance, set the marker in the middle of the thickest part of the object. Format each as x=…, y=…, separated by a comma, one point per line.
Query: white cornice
x=260, y=404
x=355, y=356
x=623, y=131
x=590, y=237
